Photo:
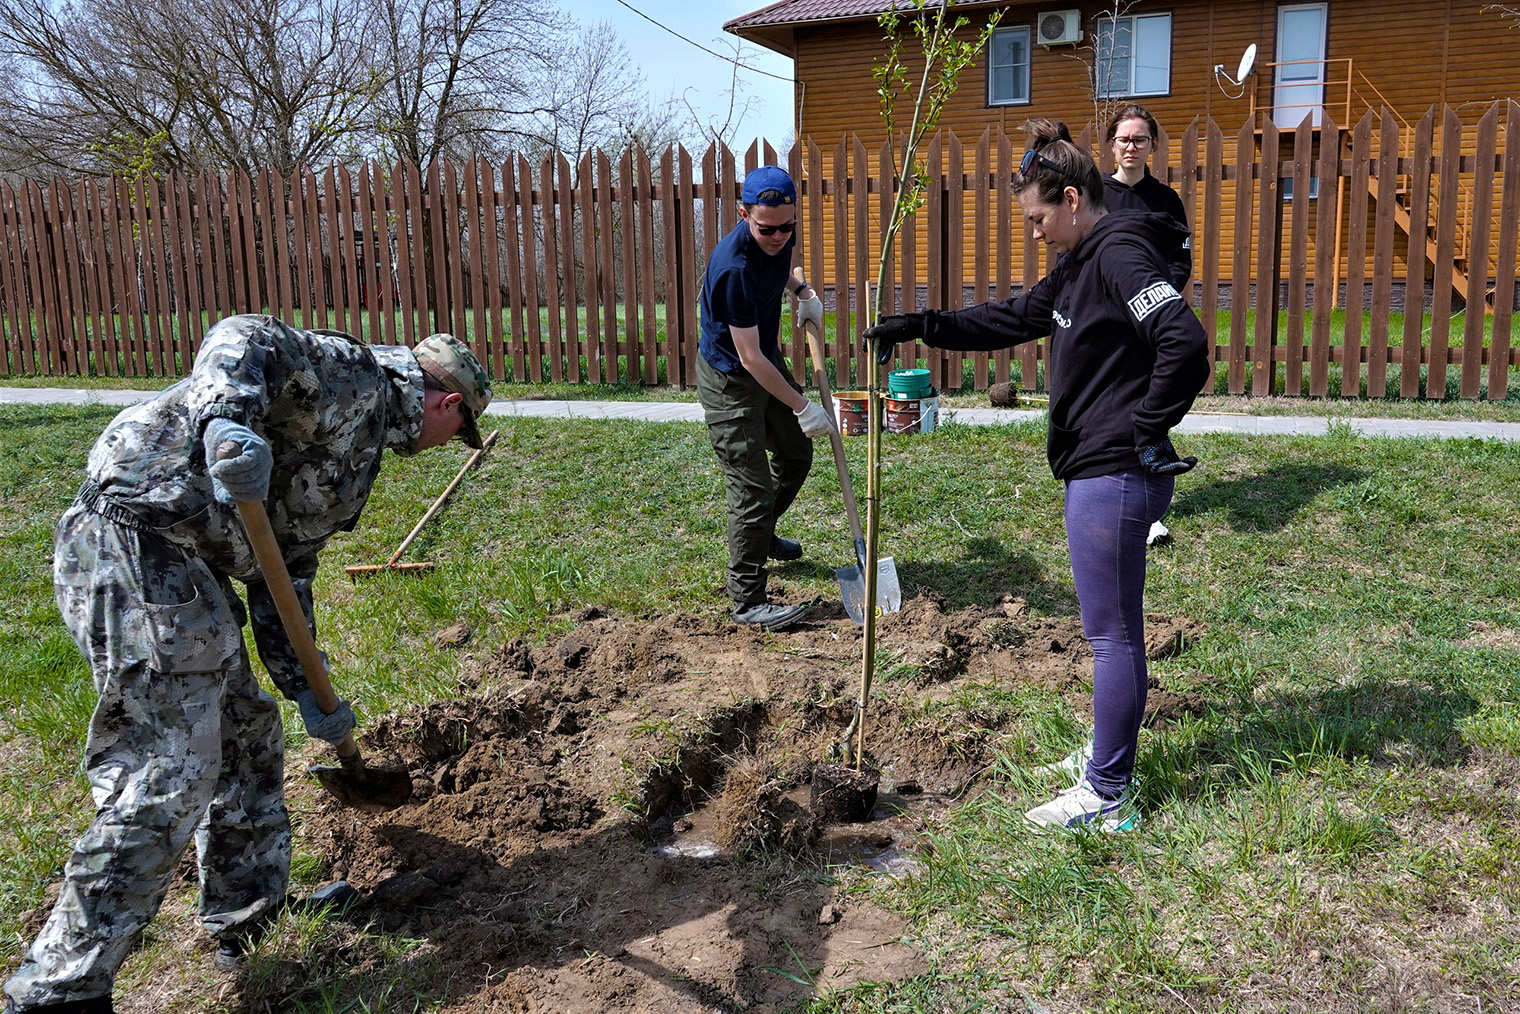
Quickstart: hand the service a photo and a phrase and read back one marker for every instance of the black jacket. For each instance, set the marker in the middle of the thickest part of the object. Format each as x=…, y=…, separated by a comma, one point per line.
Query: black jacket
x=1150, y=194
x=1127, y=354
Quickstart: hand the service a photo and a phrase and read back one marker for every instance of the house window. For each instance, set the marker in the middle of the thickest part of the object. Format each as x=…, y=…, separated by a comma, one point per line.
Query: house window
x=1285, y=185
x=1008, y=67
x=1134, y=55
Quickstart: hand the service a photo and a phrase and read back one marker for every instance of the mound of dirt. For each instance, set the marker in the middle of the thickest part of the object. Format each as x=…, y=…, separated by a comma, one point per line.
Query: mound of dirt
x=578, y=836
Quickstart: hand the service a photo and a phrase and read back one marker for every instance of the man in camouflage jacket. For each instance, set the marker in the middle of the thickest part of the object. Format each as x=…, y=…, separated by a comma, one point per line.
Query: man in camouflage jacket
x=183, y=741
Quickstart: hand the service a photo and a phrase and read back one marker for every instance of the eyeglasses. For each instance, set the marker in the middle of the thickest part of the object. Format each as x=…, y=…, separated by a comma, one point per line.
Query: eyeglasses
x=771, y=230
x=1032, y=158
x=1132, y=142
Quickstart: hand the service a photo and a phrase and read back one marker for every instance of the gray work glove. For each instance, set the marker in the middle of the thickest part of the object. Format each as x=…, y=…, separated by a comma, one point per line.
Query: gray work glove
x=333, y=728
x=1161, y=458
x=245, y=476
x=815, y=422
x=809, y=311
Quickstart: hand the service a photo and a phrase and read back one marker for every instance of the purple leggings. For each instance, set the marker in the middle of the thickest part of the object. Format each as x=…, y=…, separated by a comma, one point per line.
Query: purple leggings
x=1107, y=520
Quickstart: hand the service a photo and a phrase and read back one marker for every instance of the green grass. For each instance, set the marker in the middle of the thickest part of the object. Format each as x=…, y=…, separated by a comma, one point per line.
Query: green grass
x=1336, y=831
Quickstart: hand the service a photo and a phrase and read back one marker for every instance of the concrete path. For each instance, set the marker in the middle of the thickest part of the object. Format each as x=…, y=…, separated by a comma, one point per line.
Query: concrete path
x=657, y=411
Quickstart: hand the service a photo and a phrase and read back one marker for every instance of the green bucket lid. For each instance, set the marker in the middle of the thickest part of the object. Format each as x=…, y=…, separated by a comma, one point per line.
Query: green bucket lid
x=913, y=383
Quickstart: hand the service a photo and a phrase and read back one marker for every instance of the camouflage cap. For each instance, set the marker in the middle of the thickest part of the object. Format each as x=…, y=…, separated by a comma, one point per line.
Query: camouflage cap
x=450, y=362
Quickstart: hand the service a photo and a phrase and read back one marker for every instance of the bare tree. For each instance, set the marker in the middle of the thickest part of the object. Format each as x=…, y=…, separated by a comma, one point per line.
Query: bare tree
x=598, y=100
x=1106, y=52
x=103, y=87
x=462, y=76
x=723, y=125
x=183, y=84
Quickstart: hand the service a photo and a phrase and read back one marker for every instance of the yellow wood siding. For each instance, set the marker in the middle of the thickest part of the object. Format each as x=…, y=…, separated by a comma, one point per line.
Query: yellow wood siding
x=1409, y=55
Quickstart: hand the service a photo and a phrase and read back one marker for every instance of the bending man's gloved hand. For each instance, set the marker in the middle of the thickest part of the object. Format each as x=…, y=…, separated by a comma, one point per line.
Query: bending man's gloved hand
x=810, y=311
x=815, y=422
x=333, y=728
x=884, y=336
x=245, y=476
x=1161, y=458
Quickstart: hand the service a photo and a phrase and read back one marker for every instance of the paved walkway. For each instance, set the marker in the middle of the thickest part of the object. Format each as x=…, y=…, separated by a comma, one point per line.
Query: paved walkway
x=665, y=411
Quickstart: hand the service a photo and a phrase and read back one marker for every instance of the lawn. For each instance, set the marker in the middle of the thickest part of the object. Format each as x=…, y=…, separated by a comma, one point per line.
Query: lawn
x=1337, y=830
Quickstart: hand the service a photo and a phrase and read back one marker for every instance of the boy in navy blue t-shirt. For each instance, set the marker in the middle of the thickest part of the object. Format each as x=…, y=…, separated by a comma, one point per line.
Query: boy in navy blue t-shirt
x=760, y=423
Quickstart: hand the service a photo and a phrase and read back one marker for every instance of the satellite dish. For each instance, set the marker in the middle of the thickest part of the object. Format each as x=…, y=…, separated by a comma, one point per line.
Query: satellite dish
x=1247, y=61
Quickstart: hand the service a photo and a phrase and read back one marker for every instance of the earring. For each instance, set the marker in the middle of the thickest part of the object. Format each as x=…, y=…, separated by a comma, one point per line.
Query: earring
x=1073, y=219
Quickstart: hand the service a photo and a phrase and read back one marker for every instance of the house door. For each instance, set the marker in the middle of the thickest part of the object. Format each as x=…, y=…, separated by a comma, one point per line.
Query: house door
x=1299, y=78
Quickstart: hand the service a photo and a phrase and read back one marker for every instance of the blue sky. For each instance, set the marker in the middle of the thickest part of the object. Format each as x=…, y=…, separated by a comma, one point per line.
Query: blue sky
x=672, y=67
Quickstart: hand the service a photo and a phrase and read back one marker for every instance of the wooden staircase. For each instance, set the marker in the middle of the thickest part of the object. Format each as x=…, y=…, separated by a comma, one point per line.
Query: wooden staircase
x=1423, y=236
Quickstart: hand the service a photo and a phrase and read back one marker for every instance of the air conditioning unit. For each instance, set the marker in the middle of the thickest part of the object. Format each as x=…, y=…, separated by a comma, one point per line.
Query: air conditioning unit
x=1058, y=28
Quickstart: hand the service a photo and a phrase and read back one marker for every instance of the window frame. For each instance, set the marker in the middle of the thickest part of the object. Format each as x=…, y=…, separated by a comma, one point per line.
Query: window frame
x=1100, y=77
x=1028, y=31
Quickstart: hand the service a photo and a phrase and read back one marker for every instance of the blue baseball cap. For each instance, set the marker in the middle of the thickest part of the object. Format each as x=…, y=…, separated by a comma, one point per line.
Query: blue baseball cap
x=769, y=177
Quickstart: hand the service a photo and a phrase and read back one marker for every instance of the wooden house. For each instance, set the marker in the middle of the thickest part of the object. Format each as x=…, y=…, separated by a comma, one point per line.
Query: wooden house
x=1330, y=62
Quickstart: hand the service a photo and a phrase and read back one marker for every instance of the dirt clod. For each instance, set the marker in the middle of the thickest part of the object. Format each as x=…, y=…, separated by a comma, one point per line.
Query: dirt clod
x=455, y=636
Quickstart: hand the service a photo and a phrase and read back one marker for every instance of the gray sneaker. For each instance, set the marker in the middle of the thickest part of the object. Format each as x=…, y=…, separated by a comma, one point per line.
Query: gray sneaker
x=769, y=615
x=1082, y=806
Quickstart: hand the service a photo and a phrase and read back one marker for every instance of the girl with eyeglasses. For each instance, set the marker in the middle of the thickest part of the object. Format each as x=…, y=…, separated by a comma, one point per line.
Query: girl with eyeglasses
x=1132, y=136
x=1127, y=357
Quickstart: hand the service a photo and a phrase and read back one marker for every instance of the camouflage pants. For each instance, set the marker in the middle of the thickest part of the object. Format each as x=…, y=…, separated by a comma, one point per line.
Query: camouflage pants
x=183, y=743
x=765, y=460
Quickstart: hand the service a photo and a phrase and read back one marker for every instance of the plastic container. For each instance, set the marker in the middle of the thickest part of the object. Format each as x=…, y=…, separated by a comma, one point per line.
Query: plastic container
x=909, y=384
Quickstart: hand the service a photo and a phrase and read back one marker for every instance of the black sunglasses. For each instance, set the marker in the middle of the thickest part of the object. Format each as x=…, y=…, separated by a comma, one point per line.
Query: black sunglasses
x=1031, y=157
x=771, y=230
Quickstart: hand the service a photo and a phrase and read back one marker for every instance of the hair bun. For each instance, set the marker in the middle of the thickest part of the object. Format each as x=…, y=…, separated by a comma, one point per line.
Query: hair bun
x=1041, y=131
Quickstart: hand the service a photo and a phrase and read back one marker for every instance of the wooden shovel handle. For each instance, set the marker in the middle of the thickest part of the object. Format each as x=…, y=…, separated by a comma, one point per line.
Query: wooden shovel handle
x=820, y=377
x=267, y=552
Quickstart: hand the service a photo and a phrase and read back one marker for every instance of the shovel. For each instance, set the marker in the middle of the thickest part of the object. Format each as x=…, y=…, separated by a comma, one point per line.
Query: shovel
x=373, y=790
x=852, y=582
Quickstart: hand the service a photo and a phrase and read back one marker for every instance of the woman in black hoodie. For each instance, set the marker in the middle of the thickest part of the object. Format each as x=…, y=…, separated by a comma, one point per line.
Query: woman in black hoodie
x=1132, y=137
x=1127, y=356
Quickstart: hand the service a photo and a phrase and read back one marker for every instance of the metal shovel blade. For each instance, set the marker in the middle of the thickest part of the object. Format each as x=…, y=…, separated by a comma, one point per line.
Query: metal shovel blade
x=373, y=790
x=852, y=589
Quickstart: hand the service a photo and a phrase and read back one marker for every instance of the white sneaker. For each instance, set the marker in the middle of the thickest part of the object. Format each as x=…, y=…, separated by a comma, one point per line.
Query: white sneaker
x=1159, y=535
x=1072, y=766
x=1081, y=805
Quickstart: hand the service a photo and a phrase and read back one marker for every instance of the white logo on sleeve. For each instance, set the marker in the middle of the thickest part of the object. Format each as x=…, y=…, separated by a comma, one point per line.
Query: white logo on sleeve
x=1150, y=297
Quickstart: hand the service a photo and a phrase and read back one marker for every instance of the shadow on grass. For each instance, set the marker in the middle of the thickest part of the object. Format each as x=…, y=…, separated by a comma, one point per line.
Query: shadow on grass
x=1384, y=722
x=986, y=569
x=1266, y=501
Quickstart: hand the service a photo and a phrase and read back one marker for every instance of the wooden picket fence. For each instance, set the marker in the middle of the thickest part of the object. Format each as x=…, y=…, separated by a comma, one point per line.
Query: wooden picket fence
x=590, y=273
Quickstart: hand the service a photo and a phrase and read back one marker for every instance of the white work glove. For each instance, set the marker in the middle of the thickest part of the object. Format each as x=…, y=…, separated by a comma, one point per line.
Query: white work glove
x=809, y=311
x=244, y=476
x=333, y=728
x=815, y=422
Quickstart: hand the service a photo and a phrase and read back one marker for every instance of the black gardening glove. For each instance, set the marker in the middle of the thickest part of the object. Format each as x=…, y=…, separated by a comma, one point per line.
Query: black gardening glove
x=1161, y=458
x=885, y=335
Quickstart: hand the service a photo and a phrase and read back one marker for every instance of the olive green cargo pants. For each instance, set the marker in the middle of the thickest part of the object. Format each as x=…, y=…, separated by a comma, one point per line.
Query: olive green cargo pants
x=765, y=460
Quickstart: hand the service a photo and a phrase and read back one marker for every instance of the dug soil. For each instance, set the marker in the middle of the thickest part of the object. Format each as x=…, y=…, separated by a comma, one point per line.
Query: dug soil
x=619, y=821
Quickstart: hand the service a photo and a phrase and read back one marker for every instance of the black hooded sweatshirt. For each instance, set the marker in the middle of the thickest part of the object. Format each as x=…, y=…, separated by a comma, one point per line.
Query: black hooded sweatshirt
x=1127, y=354
x=1150, y=194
